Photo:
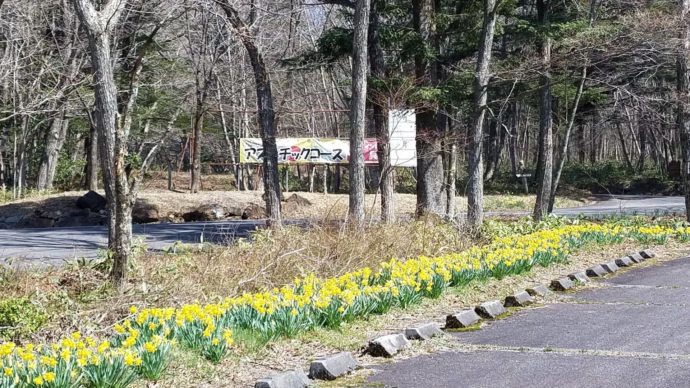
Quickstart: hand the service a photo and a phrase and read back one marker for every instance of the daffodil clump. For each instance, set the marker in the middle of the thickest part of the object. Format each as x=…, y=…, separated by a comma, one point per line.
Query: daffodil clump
x=141, y=345
x=75, y=362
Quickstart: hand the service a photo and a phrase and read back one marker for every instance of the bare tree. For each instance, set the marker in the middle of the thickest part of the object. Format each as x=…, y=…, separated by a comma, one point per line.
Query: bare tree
x=358, y=111
x=429, y=140
x=267, y=125
x=475, y=189
x=545, y=153
x=683, y=90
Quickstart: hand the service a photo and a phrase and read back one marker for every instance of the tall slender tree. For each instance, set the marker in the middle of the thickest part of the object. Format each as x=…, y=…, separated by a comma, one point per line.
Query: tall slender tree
x=358, y=110
x=475, y=186
x=683, y=90
x=430, y=183
x=545, y=153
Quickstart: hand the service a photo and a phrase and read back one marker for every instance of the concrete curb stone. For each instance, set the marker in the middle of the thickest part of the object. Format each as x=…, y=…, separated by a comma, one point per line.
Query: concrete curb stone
x=579, y=276
x=292, y=379
x=332, y=367
x=490, y=310
x=423, y=332
x=596, y=271
x=521, y=299
x=624, y=262
x=538, y=290
x=388, y=345
x=636, y=257
x=610, y=267
x=562, y=284
x=462, y=319
x=647, y=254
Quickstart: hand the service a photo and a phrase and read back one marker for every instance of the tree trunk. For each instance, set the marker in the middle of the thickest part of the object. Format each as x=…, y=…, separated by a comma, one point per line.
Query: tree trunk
x=358, y=112
x=545, y=157
x=55, y=138
x=475, y=184
x=683, y=90
x=92, y=159
x=267, y=127
x=198, y=125
x=113, y=144
x=380, y=108
x=430, y=184
x=566, y=139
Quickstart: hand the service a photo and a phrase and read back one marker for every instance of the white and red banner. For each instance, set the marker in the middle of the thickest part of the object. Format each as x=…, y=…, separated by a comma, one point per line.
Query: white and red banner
x=306, y=150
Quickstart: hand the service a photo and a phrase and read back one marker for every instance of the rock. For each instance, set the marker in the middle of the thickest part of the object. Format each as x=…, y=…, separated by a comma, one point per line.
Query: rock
x=292, y=379
x=596, y=271
x=234, y=211
x=624, y=262
x=298, y=200
x=144, y=213
x=538, y=290
x=423, y=332
x=465, y=318
x=77, y=218
x=212, y=212
x=636, y=257
x=610, y=267
x=579, y=277
x=92, y=201
x=562, y=284
x=521, y=299
x=490, y=310
x=647, y=254
x=388, y=345
x=34, y=221
x=254, y=212
x=12, y=220
x=330, y=368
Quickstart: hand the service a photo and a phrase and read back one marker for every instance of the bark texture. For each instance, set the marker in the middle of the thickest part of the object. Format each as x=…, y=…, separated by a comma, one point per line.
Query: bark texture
x=475, y=184
x=430, y=182
x=683, y=88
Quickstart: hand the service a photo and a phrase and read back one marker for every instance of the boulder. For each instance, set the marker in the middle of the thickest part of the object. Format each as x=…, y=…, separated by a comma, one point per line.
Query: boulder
x=78, y=218
x=212, y=212
x=92, y=201
x=254, y=212
x=144, y=213
x=298, y=200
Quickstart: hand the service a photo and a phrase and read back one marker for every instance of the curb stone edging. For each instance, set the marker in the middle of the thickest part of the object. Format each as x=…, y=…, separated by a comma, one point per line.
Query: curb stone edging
x=636, y=257
x=647, y=254
x=423, y=332
x=596, y=271
x=624, y=262
x=332, y=367
x=562, y=284
x=579, y=276
x=520, y=299
x=387, y=346
x=490, y=310
x=463, y=319
x=292, y=379
x=538, y=290
x=610, y=267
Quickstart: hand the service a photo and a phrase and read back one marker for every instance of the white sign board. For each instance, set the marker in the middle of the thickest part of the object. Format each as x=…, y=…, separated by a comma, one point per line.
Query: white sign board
x=402, y=130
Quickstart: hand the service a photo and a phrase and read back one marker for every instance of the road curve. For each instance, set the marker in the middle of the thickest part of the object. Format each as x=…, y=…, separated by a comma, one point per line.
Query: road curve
x=57, y=245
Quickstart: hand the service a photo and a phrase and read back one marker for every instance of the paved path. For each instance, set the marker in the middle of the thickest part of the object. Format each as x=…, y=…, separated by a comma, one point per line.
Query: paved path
x=55, y=245
x=634, y=332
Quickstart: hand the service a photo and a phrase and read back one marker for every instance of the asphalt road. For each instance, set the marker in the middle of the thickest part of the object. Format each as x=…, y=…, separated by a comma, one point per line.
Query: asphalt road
x=55, y=245
x=633, y=332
